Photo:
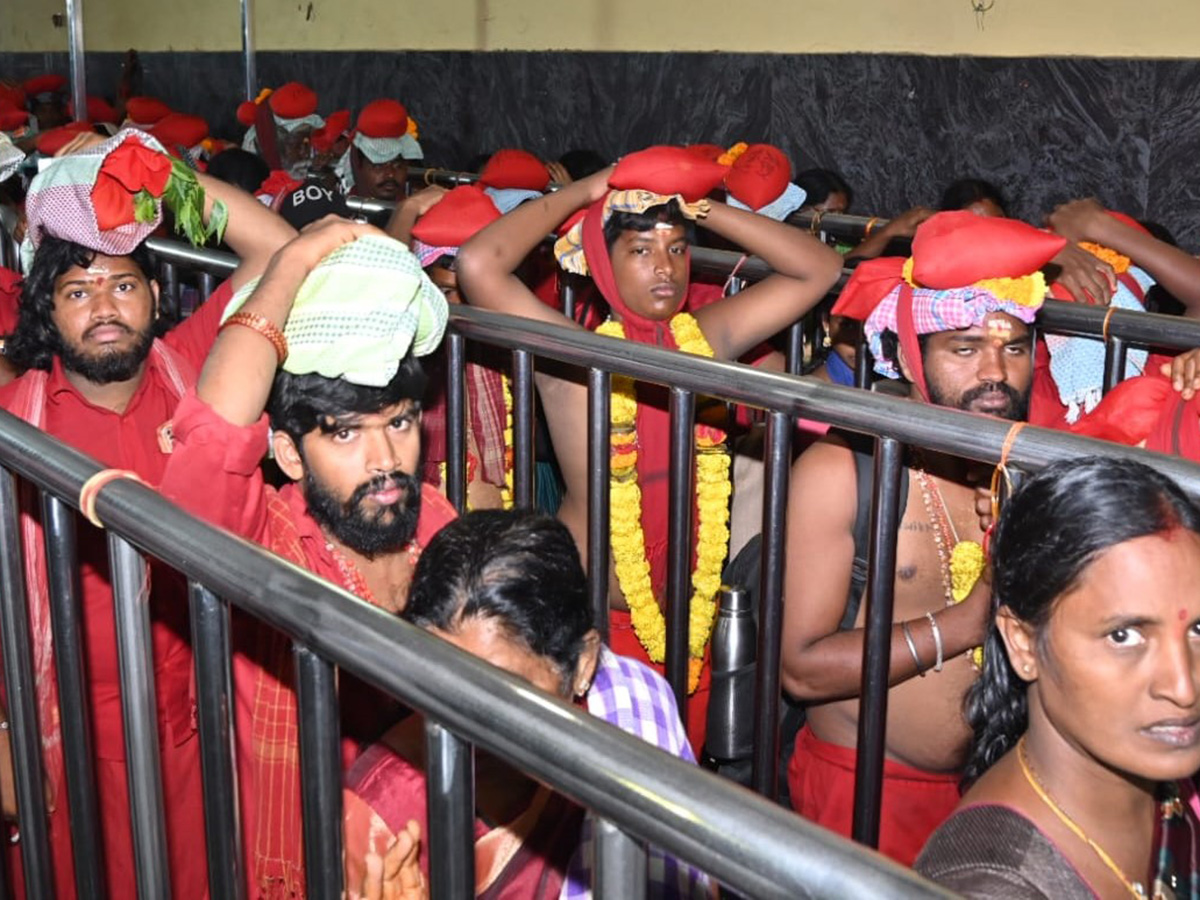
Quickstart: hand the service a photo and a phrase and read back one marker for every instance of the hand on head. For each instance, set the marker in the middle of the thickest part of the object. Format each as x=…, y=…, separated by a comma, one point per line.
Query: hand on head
x=1086, y=278
x=320, y=238
x=558, y=173
x=426, y=199
x=1076, y=220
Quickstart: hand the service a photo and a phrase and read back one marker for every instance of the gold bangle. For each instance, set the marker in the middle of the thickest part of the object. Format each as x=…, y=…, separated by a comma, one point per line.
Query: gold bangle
x=870, y=226
x=263, y=326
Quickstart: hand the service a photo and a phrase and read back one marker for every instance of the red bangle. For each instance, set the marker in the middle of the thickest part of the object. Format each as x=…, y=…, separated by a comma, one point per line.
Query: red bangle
x=263, y=326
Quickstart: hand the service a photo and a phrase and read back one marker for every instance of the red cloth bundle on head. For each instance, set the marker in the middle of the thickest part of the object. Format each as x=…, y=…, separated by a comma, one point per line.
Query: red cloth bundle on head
x=50, y=142
x=958, y=248
x=872, y=280
x=246, y=112
x=337, y=124
x=515, y=169
x=383, y=118
x=98, y=110
x=146, y=110
x=44, y=84
x=759, y=175
x=293, y=101
x=709, y=152
x=456, y=218
x=667, y=170
x=11, y=117
x=180, y=130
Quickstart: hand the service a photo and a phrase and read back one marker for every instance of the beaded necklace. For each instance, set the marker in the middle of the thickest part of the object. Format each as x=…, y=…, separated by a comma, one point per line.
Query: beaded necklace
x=354, y=580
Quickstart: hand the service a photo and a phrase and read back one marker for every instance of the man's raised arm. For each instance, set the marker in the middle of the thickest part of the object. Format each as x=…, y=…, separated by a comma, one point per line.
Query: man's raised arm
x=804, y=271
x=487, y=262
x=254, y=232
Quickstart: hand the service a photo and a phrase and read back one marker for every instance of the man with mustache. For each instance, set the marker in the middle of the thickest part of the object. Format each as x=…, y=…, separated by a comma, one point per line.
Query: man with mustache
x=103, y=375
x=954, y=320
x=381, y=148
x=335, y=372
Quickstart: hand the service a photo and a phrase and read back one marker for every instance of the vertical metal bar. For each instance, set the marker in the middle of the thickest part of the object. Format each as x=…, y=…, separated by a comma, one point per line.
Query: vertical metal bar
x=66, y=618
x=75, y=52
x=620, y=871
x=599, y=403
x=522, y=391
x=456, y=421
x=881, y=583
x=681, y=506
x=214, y=706
x=320, y=773
x=450, y=794
x=21, y=690
x=1114, y=362
x=169, y=288
x=250, y=71
x=567, y=295
x=778, y=458
x=139, y=709
x=795, y=348
x=862, y=363
x=208, y=284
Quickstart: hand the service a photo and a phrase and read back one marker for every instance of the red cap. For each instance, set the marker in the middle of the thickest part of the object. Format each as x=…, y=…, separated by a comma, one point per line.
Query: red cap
x=383, y=119
x=871, y=281
x=759, y=176
x=44, y=84
x=336, y=125
x=50, y=142
x=958, y=248
x=12, y=95
x=246, y=112
x=293, y=101
x=11, y=117
x=455, y=219
x=146, y=110
x=98, y=110
x=710, y=152
x=515, y=169
x=180, y=129
x=667, y=170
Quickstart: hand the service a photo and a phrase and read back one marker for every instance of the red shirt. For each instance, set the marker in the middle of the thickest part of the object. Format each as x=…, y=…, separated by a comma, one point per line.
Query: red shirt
x=129, y=440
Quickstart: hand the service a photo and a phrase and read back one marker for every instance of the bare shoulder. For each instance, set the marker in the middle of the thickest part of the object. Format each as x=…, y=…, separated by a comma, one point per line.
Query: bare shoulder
x=824, y=482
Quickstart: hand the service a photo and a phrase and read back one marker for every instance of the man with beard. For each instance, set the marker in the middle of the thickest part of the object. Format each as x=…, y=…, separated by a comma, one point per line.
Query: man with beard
x=954, y=319
x=344, y=310
x=99, y=380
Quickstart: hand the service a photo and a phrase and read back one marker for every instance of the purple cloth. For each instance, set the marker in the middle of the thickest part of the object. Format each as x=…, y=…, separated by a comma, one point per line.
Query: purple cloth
x=638, y=700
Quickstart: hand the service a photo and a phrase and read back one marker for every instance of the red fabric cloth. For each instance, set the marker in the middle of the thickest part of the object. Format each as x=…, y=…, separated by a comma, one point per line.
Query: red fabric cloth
x=235, y=496
x=520, y=860
x=821, y=784
x=129, y=440
x=623, y=641
x=1046, y=408
x=10, y=297
x=485, y=417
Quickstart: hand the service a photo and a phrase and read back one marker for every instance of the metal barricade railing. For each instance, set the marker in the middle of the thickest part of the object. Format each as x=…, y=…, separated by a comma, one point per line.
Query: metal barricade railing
x=639, y=793
x=895, y=424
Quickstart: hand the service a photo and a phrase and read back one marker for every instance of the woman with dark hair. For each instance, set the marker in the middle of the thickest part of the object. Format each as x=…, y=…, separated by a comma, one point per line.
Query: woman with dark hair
x=1087, y=715
x=509, y=588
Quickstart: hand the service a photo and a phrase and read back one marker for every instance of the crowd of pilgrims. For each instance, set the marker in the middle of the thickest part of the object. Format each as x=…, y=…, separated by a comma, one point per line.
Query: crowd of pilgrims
x=1043, y=728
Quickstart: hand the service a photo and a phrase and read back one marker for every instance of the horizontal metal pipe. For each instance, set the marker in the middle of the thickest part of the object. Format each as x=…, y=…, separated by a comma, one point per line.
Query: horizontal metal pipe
x=936, y=428
x=1055, y=316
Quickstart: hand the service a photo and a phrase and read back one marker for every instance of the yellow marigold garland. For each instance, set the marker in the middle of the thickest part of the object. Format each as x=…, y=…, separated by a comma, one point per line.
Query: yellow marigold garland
x=713, y=490
x=1027, y=290
x=730, y=156
x=967, y=562
x=1118, y=261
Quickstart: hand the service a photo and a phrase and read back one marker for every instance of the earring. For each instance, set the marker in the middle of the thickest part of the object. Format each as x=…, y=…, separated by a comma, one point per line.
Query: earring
x=826, y=342
x=1027, y=668
x=583, y=689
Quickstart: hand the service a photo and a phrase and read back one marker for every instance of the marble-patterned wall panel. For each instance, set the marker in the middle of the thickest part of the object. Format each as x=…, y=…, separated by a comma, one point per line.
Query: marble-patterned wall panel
x=899, y=127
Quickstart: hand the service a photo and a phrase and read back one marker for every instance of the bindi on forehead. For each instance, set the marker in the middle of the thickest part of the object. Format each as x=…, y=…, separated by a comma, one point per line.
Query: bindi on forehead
x=999, y=330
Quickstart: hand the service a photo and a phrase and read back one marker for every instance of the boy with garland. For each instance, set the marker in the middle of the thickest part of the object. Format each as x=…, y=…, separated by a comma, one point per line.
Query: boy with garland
x=632, y=238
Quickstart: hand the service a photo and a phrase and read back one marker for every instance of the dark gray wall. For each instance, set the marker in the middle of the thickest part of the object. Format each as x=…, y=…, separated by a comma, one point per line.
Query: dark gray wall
x=898, y=127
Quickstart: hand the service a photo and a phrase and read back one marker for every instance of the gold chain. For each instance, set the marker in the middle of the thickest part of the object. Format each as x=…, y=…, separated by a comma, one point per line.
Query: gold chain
x=1135, y=890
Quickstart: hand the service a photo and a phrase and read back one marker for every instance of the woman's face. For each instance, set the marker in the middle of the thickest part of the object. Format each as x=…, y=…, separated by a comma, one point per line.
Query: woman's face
x=1118, y=669
x=488, y=639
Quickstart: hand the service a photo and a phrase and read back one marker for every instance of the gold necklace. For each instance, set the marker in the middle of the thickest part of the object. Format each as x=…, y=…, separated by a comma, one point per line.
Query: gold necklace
x=1135, y=889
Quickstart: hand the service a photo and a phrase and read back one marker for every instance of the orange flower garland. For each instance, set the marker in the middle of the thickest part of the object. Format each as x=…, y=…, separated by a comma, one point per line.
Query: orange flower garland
x=713, y=490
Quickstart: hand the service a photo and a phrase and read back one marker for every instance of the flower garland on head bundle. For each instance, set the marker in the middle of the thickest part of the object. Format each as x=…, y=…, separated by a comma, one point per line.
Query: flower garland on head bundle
x=713, y=490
